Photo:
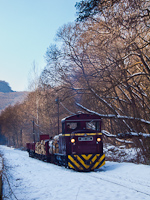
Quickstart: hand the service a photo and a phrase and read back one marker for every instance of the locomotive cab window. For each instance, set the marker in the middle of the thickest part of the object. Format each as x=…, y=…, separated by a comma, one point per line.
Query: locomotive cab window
x=93, y=125
x=71, y=126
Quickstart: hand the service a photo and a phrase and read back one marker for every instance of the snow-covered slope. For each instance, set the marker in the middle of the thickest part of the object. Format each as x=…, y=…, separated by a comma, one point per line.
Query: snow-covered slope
x=31, y=179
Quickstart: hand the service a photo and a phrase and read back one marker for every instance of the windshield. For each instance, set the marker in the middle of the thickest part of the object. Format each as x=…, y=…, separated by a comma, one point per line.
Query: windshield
x=93, y=125
x=71, y=125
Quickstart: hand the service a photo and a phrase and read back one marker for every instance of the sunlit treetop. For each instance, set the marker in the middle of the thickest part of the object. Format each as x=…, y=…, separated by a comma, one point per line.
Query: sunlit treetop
x=89, y=8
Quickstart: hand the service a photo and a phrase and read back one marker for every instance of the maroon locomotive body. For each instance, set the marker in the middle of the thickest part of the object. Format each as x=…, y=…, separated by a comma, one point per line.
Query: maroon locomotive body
x=79, y=146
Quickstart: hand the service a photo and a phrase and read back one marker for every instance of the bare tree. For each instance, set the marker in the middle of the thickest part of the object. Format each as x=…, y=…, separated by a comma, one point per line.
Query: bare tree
x=107, y=58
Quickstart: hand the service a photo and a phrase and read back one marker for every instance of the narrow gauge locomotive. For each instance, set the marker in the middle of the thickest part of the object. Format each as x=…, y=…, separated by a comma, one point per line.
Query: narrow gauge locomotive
x=79, y=146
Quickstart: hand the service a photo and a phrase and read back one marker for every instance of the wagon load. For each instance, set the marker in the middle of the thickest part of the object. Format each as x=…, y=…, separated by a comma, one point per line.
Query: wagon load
x=53, y=145
x=40, y=148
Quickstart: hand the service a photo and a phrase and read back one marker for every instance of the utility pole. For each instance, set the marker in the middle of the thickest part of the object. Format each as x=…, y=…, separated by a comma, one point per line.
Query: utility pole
x=20, y=137
x=57, y=102
x=33, y=131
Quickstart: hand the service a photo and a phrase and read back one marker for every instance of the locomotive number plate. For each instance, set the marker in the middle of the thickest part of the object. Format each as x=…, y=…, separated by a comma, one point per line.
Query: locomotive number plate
x=89, y=138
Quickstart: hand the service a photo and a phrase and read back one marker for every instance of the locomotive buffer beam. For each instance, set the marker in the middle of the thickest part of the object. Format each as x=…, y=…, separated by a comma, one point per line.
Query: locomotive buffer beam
x=86, y=162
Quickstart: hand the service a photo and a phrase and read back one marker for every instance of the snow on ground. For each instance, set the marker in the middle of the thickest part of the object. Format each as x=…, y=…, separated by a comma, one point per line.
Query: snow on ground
x=32, y=179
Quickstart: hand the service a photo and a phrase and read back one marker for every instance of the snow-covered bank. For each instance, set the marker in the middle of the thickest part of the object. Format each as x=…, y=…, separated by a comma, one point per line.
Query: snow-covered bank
x=36, y=180
x=1, y=167
x=122, y=154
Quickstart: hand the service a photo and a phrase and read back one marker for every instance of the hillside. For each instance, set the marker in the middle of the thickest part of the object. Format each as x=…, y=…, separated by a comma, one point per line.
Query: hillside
x=4, y=87
x=11, y=98
x=8, y=96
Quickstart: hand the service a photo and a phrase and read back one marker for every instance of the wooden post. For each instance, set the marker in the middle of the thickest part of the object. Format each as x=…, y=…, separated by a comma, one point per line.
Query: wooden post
x=57, y=101
x=33, y=131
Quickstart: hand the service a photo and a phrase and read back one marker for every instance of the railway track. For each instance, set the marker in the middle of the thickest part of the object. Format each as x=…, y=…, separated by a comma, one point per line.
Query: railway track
x=126, y=183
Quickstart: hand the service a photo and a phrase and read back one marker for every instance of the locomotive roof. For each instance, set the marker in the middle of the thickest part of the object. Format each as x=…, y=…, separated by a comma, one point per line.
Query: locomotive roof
x=82, y=117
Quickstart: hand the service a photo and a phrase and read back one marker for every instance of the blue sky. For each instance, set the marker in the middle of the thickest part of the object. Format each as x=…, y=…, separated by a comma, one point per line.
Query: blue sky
x=27, y=28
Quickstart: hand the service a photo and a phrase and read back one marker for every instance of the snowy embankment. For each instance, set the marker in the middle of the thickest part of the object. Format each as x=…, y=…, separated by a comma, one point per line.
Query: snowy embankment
x=1, y=168
x=32, y=179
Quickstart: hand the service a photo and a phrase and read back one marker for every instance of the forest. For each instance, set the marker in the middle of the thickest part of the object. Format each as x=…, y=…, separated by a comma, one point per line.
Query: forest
x=99, y=64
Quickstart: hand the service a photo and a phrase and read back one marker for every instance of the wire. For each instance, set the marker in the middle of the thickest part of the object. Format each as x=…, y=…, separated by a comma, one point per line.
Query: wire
x=67, y=109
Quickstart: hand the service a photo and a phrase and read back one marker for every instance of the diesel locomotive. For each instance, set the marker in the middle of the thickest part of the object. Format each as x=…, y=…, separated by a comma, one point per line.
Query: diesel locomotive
x=79, y=146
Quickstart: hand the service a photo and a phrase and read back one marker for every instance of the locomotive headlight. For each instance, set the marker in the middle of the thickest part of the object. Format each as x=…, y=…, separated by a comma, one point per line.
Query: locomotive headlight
x=72, y=140
x=98, y=139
